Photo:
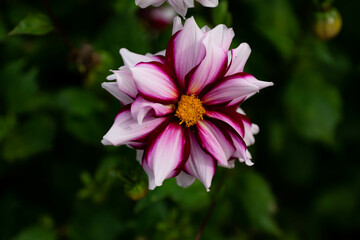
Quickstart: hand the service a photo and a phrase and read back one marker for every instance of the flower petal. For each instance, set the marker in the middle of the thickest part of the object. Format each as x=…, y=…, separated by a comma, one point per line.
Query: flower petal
x=250, y=128
x=239, y=56
x=229, y=117
x=112, y=88
x=200, y=164
x=209, y=3
x=254, y=81
x=186, y=49
x=216, y=42
x=215, y=141
x=166, y=152
x=126, y=129
x=177, y=25
x=131, y=59
x=181, y=6
x=141, y=107
x=154, y=83
x=233, y=88
x=184, y=180
x=125, y=82
x=150, y=174
x=139, y=155
x=247, y=161
x=239, y=145
x=146, y=3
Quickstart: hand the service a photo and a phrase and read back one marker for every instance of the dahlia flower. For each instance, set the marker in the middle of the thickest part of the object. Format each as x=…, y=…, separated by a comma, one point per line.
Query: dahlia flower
x=181, y=106
x=180, y=6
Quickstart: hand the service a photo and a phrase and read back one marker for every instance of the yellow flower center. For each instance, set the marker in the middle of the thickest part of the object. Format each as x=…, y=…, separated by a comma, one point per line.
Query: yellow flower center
x=189, y=110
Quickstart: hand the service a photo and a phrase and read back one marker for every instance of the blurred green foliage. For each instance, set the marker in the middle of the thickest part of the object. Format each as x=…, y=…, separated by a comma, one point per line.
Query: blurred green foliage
x=58, y=182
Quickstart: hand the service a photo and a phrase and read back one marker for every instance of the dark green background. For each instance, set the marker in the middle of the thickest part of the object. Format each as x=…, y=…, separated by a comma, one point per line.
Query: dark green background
x=58, y=182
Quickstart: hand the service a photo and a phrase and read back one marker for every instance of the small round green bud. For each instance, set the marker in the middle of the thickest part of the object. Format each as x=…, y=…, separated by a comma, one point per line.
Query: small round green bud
x=327, y=23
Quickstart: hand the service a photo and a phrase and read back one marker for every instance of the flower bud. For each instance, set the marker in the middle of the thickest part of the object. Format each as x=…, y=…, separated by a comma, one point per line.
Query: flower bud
x=327, y=23
x=137, y=191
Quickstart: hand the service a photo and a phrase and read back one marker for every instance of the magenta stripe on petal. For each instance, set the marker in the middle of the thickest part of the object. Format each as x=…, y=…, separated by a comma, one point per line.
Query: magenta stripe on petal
x=215, y=141
x=200, y=164
x=213, y=66
x=210, y=69
x=187, y=49
x=141, y=107
x=232, y=87
x=239, y=145
x=126, y=129
x=166, y=152
x=232, y=118
x=154, y=83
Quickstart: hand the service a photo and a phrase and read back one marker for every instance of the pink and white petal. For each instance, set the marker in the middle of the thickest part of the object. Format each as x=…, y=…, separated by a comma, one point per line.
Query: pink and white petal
x=260, y=84
x=189, y=3
x=111, y=77
x=250, y=128
x=166, y=152
x=215, y=141
x=141, y=107
x=139, y=155
x=150, y=174
x=233, y=119
x=239, y=145
x=146, y=3
x=221, y=36
x=184, y=180
x=233, y=87
x=131, y=59
x=214, y=62
x=247, y=161
x=209, y=3
x=187, y=49
x=239, y=56
x=112, y=88
x=153, y=82
x=205, y=29
x=181, y=6
x=126, y=129
x=231, y=164
x=157, y=55
x=125, y=82
x=177, y=25
x=200, y=164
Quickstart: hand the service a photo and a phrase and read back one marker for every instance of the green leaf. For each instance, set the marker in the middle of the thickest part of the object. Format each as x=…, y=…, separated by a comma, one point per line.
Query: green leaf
x=78, y=102
x=6, y=125
x=278, y=23
x=18, y=88
x=93, y=222
x=36, y=233
x=2, y=30
x=34, y=24
x=221, y=14
x=35, y=135
x=256, y=201
x=314, y=106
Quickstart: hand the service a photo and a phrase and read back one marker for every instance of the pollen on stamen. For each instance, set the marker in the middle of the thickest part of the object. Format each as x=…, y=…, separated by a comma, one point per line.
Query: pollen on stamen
x=190, y=110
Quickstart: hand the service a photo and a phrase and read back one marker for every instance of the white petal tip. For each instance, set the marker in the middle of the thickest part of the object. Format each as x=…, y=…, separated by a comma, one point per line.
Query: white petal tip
x=106, y=142
x=111, y=77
